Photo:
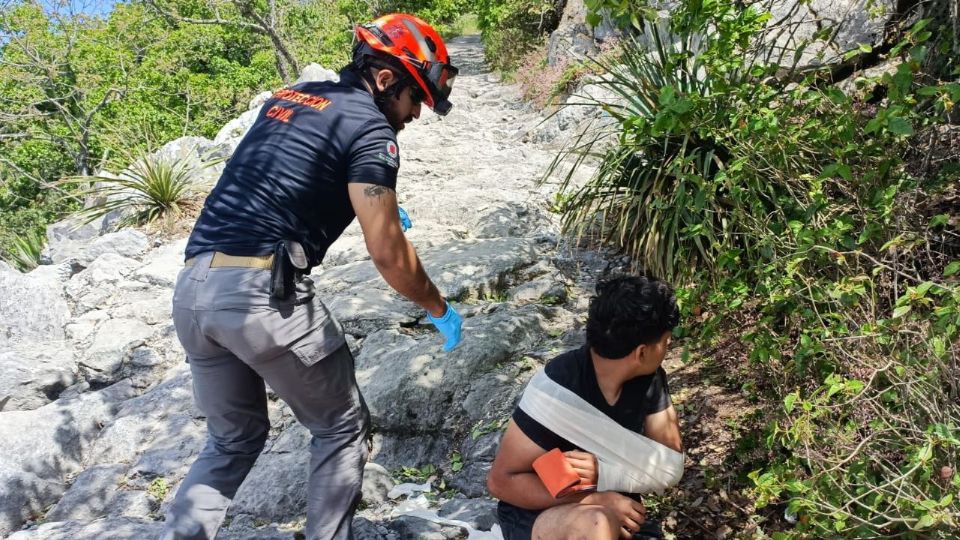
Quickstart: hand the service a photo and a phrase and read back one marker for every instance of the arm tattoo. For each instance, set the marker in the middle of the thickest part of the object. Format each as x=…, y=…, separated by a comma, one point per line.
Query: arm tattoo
x=376, y=191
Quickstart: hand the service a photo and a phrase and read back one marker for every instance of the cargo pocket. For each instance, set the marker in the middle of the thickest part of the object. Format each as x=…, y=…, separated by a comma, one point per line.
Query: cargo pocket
x=316, y=350
x=323, y=339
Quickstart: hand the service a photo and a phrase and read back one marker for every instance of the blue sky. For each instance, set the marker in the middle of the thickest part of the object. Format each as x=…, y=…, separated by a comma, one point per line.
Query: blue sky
x=90, y=7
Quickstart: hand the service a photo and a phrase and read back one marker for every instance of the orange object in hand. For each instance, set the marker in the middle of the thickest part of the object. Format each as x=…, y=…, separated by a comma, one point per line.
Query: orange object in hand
x=557, y=475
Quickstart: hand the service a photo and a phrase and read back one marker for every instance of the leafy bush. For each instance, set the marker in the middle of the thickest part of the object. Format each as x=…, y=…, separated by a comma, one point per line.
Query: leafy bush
x=464, y=25
x=446, y=16
x=787, y=210
x=512, y=28
x=681, y=191
x=77, y=88
x=149, y=189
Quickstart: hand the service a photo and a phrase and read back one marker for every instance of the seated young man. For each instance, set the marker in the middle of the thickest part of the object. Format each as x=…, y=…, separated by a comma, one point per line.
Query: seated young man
x=611, y=397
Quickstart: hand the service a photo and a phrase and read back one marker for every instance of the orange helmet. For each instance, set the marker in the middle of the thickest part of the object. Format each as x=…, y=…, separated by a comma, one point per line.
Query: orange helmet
x=418, y=48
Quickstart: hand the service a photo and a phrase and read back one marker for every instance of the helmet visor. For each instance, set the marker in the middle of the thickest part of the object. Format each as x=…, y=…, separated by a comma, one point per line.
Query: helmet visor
x=440, y=78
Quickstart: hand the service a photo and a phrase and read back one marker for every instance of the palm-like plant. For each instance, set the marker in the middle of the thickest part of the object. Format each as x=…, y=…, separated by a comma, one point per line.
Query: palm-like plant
x=671, y=190
x=150, y=188
x=635, y=199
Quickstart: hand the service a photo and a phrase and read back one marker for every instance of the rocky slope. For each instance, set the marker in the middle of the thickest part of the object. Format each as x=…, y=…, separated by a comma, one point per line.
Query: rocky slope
x=97, y=423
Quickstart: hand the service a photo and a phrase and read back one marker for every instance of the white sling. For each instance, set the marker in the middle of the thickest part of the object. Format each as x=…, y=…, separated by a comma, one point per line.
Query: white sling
x=628, y=462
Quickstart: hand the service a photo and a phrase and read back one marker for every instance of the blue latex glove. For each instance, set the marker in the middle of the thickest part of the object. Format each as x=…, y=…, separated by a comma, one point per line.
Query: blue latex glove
x=405, y=222
x=448, y=325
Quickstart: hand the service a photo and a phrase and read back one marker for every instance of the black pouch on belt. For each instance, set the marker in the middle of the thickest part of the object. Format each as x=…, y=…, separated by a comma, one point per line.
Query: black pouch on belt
x=289, y=264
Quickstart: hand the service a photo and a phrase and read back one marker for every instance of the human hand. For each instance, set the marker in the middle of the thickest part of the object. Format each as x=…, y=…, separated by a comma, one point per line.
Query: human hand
x=405, y=222
x=449, y=325
x=629, y=512
x=585, y=464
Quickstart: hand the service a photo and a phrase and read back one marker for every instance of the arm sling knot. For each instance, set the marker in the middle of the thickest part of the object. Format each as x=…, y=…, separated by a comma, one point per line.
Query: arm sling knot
x=628, y=462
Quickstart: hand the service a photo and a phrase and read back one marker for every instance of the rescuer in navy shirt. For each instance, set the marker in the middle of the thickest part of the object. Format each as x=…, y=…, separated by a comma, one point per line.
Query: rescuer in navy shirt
x=318, y=155
x=288, y=177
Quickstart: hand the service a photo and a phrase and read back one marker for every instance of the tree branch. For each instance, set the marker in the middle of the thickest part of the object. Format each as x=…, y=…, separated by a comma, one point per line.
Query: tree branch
x=217, y=20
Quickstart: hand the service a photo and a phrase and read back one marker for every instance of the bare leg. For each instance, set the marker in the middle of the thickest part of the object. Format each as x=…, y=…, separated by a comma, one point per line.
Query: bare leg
x=576, y=522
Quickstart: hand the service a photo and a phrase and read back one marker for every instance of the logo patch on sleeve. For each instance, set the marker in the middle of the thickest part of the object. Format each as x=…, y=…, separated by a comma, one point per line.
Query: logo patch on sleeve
x=390, y=157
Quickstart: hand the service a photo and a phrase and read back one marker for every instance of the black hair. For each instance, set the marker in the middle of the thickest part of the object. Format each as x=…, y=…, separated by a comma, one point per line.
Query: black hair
x=365, y=59
x=628, y=311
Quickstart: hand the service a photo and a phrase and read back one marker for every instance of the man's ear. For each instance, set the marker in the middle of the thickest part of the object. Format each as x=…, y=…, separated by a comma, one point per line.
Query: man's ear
x=385, y=78
x=638, y=355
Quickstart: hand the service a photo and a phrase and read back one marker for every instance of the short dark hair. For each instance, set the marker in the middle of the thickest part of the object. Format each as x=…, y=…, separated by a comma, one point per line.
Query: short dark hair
x=628, y=311
x=364, y=58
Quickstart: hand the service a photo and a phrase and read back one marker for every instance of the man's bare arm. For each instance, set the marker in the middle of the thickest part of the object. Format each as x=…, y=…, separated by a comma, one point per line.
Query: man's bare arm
x=512, y=478
x=664, y=427
x=392, y=254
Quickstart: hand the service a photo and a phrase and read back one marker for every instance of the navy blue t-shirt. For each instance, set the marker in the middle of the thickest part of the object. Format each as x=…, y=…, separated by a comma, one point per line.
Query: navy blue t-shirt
x=287, y=179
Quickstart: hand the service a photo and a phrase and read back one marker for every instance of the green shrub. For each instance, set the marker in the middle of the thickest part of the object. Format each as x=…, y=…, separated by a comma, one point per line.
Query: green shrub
x=465, y=25
x=441, y=14
x=26, y=250
x=688, y=185
x=158, y=489
x=512, y=28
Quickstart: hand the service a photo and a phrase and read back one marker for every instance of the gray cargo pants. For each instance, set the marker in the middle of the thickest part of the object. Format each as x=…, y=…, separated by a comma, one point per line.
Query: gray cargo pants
x=236, y=337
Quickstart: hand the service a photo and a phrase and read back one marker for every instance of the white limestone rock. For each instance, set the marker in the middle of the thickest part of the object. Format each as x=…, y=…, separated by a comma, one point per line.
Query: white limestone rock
x=229, y=135
x=140, y=421
x=163, y=265
x=317, y=73
x=102, y=275
x=129, y=243
x=90, y=495
x=31, y=310
x=258, y=100
x=377, y=482
x=34, y=375
x=114, y=529
x=411, y=385
x=112, y=345
x=39, y=449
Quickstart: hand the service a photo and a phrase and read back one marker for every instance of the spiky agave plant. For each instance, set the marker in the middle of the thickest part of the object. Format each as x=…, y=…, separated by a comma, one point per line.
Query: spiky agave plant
x=26, y=251
x=667, y=187
x=150, y=188
x=635, y=198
